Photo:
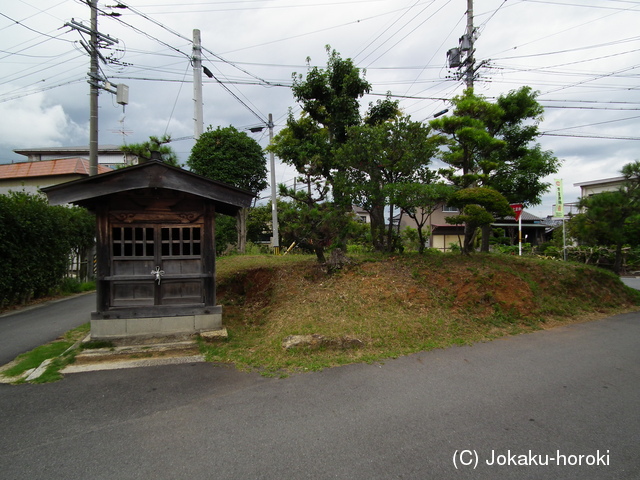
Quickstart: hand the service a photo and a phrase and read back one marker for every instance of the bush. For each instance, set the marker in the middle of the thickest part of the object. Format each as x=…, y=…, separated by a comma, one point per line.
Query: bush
x=36, y=241
x=410, y=239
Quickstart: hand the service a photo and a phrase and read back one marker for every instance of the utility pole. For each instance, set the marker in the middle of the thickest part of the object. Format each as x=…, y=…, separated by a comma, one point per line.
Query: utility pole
x=275, y=240
x=197, y=85
x=463, y=56
x=466, y=42
x=96, y=40
x=93, y=92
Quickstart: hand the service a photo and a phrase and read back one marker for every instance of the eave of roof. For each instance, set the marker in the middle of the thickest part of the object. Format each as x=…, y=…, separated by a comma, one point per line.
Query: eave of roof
x=154, y=174
x=71, y=150
x=604, y=181
x=48, y=168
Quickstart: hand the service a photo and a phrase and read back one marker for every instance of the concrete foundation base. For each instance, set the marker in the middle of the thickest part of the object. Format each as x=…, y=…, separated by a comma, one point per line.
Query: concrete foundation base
x=154, y=326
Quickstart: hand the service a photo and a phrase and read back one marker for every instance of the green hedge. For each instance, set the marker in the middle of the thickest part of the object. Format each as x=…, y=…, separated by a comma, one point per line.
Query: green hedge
x=36, y=241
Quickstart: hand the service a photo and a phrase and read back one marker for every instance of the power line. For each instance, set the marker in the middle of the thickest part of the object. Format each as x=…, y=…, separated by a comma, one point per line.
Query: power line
x=234, y=3
x=15, y=97
x=411, y=31
x=18, y=22
x=593, y=124
x=575, y=135
x=161, y=25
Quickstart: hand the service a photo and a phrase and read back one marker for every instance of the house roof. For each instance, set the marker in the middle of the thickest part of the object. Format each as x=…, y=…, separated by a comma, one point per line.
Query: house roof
x=68, y=150
x=526, y=217
x=48, y=168
x=155, y=175
x=605, y=181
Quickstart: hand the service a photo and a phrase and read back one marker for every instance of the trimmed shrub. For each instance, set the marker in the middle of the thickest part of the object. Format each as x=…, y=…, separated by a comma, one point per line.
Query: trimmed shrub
x=36, y=241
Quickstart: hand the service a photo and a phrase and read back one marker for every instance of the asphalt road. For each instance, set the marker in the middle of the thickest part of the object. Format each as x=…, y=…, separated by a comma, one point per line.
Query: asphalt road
x=29, y=328
x=633, y=282
x=550, y=396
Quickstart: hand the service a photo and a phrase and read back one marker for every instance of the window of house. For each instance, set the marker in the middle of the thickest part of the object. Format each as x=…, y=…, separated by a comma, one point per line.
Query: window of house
x=447, y=208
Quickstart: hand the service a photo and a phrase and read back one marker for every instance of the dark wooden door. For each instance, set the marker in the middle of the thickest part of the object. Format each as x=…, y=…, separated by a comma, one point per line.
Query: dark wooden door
x=156, y=265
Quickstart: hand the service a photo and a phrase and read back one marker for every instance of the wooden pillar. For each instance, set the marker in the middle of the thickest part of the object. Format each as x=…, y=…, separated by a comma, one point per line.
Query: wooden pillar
x=209, y=255
x=103, y=256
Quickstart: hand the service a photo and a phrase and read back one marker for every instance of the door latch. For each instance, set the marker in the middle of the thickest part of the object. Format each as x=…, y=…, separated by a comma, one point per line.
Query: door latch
x=158, y=274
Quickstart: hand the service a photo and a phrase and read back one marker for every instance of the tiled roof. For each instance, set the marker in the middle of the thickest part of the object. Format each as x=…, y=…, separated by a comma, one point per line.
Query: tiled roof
x=48, y=168
x=526, y=216
x=84, y=149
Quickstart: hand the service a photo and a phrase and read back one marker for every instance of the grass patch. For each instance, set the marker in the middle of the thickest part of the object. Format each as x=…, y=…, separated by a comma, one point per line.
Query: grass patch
x=397, y=305
x=35, y=357
x=70, y=286
x=58, y=350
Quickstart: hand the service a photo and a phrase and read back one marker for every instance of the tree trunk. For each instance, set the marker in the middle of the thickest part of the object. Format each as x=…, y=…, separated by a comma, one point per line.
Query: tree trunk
x=486, y=236
x=390, y=242
x=319, y=250
x=377, y=228
x=420, y=240
x=617, y=263
x=241, y=228
x=469, y=237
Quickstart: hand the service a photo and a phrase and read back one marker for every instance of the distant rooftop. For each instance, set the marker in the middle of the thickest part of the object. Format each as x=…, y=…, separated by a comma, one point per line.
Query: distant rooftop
x=46, y=168
x=604, y=181
x=67, y=150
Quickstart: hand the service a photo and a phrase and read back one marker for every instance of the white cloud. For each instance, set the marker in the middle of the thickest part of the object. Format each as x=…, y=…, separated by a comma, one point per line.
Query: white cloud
x=31, y=122
x=401, y=43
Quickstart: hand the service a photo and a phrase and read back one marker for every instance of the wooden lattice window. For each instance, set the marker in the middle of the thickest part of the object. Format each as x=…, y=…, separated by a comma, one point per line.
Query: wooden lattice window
x=133, y=241
x=180, y=241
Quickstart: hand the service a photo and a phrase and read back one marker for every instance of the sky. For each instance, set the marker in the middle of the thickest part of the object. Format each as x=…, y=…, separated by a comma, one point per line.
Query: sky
x=581, y=56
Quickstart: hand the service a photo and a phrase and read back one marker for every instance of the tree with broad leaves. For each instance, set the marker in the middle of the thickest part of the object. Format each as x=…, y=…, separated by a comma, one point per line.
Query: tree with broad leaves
x=330, y=102
x=230, y=156
x=376, y=155
x=418, y=201
x=312, y=221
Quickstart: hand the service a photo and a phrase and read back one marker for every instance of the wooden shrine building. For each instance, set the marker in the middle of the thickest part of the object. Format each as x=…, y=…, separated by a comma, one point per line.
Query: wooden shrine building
x=155, y=247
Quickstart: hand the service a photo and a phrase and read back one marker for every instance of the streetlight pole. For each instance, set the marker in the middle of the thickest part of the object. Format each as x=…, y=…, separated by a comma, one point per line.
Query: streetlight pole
x=275, y=239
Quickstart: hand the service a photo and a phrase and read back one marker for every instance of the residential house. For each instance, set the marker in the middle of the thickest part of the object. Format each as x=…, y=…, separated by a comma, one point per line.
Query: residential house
x=108, y=155
x=442, y=234
x=31, y=176
x=598, y=186
x=361, y=214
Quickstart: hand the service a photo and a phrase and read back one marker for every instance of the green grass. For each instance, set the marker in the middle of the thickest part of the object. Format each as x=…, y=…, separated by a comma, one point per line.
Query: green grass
x=57, y=350
x=398, y=305
x=35, y=357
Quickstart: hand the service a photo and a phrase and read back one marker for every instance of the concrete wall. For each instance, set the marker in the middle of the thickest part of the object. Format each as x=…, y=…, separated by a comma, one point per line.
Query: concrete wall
x=155, y=326
x=33, y=185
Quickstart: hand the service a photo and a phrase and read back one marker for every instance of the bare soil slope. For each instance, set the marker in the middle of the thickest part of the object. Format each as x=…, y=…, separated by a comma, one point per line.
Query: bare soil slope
x=399, y=305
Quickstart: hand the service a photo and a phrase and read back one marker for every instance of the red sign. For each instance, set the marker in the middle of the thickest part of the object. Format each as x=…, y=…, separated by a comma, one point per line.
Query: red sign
x=517, y=210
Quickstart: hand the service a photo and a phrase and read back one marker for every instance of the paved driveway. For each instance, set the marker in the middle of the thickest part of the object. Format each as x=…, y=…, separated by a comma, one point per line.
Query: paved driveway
x=569, y=395
x=32, y=327
x=633, y=282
